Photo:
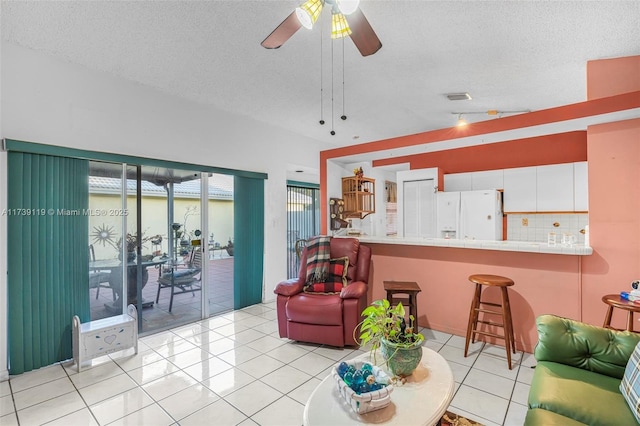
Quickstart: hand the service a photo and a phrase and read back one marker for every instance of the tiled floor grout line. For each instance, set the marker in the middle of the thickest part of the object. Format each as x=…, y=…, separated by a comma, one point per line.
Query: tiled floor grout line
x=514, y=381
x=81, y=397
x=141, y=387
x=13, y=400
x=513, y=388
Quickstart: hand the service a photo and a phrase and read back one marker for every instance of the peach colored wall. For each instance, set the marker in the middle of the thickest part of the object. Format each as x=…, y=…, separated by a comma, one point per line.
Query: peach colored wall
x=614, y=215
x=567, y=147
x=613, y=152
x=608, y=77
x=543, y=284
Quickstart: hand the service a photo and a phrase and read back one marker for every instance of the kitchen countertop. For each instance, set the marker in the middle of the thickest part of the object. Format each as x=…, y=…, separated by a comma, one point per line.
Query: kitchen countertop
x=521, y=246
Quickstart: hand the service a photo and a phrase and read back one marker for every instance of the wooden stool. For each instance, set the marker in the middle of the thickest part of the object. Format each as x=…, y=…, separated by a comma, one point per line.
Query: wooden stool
x=615, y=301
x=410, y=289
x=505, y=312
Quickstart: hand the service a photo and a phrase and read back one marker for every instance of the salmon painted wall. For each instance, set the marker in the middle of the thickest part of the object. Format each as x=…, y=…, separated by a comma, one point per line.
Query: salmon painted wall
x=442, y=274
x=609, y=77
x=614, y=216
x=613, y=152
x=567, y=147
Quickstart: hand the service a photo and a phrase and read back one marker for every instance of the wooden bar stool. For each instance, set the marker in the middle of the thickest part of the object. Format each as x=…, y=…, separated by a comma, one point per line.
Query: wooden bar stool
x=615, y=301
x=504, y=311
x=407, y=288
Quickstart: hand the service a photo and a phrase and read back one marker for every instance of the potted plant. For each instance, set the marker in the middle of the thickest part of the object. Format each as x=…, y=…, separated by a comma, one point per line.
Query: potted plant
x=385, y=328
x=131, y=241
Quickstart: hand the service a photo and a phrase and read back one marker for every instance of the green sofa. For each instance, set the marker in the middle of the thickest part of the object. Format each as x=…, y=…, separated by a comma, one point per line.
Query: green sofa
x=578, y=374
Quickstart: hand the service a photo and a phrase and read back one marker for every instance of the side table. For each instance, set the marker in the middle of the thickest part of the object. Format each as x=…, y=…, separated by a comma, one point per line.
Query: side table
x=408, y=288
x=615, y=301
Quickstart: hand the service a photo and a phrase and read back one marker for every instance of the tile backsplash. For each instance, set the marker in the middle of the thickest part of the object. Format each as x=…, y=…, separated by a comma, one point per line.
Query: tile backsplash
x=536, y=227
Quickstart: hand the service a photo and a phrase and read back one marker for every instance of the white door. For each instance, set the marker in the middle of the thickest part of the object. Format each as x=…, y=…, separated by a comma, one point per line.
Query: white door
x=411, y=209
x=419, y=208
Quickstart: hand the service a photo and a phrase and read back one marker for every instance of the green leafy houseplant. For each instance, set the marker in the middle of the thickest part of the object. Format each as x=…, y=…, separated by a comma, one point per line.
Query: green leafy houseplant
x=384, y=327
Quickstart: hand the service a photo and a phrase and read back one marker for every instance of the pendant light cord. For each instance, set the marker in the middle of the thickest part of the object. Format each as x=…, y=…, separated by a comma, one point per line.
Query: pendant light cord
x=333, y=132
x=321, y=68
x=344, y=117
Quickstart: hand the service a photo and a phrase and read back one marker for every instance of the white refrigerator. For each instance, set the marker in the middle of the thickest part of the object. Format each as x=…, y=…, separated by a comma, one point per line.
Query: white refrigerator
x=473, y=215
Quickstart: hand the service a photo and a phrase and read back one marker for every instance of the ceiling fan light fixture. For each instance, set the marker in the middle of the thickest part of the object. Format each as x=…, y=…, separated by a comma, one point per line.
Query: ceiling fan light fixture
x=347, y=7
x=308, y=13
x=339, y=26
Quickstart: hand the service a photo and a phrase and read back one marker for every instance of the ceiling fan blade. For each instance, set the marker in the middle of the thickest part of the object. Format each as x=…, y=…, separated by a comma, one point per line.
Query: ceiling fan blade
x=285, y=30
x=362, y=34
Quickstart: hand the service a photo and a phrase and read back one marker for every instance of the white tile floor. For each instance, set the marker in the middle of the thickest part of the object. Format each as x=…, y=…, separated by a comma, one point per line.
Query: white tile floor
x=235, y=370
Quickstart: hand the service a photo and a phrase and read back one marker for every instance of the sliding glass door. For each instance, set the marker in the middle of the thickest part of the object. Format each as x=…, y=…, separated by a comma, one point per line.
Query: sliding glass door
x=181, y=258
x=107, y=218
x=161, y=211
x=220, y=243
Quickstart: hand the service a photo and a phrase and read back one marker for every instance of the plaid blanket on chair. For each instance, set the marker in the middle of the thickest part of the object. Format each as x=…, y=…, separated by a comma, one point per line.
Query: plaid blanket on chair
x=318, y=259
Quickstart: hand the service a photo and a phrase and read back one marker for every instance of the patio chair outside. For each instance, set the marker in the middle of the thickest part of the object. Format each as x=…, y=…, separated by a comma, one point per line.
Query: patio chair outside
x=180, y=281
x=99, y=279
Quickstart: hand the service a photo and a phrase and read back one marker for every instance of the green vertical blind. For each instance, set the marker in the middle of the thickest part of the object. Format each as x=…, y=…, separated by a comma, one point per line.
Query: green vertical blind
x=248, y=218
x=47, y=273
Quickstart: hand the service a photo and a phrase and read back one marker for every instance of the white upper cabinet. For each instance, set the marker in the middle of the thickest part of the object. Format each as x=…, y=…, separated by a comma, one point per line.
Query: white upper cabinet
x=580, y=187
x=554, y=188
x=457, y=182
x=489, y=179
x=520, y=189
x=550, y=188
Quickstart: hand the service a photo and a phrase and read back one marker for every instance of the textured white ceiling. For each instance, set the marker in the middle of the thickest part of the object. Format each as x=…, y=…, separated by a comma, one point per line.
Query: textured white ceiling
x=509, y=55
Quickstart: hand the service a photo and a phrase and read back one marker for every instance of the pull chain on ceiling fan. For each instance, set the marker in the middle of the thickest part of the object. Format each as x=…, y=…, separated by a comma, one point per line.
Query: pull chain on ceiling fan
x=343, y=116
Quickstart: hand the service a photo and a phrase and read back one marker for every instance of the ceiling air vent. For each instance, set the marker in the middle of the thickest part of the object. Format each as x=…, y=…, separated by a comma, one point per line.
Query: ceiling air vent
x=458, y=96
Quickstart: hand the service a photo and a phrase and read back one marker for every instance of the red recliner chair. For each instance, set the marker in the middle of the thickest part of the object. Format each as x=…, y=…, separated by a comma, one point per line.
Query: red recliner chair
x=328, y=319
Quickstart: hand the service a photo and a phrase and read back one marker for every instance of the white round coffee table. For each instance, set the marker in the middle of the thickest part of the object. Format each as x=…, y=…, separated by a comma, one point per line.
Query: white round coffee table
x=422, y=400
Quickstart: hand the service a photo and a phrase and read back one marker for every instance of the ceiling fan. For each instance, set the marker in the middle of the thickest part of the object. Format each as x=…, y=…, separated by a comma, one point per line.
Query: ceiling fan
x=354, y=24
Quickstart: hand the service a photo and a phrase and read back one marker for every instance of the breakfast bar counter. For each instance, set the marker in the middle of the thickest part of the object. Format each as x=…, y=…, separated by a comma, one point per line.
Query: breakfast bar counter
x=547, y=279
x=517, y=246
